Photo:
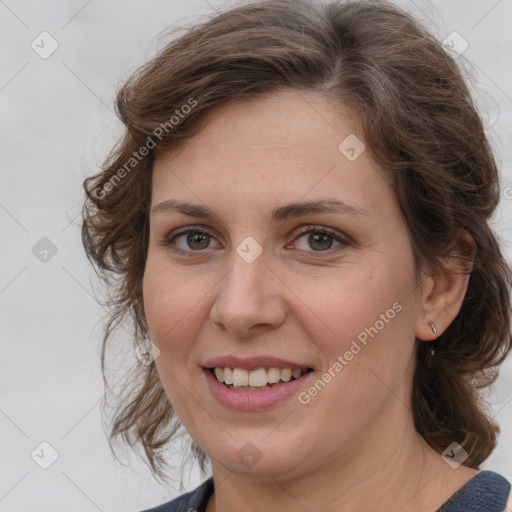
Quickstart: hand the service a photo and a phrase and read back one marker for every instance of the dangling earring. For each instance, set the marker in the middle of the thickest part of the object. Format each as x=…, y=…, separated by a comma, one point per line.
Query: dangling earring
x=434, y=330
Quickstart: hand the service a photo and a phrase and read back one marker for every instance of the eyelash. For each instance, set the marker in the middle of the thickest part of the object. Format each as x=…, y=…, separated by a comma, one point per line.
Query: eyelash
x=343, y=240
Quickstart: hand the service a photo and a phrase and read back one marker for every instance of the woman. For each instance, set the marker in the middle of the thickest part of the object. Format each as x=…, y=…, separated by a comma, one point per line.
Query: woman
x=297, y=220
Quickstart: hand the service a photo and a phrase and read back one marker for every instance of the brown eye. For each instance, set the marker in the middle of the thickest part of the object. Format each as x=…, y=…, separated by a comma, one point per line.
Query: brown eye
x=197, y=241
x=320, y=239
x=189, y=240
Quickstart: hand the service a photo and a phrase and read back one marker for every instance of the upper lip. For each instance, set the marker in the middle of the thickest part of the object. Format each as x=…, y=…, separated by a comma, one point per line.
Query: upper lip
x=252, y=363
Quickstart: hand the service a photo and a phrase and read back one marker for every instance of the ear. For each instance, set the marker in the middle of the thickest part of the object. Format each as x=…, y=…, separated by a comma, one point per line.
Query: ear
x=444, y=290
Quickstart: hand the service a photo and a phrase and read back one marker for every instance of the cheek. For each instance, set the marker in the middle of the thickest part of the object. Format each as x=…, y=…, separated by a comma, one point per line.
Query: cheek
x=365, y=315
x=168, y=305
x=167, y=302
x=368, y=347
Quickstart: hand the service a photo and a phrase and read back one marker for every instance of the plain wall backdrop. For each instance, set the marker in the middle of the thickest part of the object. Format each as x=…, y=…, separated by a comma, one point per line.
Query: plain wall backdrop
x=57, y=125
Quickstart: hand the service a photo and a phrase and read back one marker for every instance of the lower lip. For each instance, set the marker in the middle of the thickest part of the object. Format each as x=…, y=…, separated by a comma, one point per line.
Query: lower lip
x=254, y=400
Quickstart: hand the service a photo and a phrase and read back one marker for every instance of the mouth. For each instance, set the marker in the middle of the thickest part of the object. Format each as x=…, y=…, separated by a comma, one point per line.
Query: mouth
x=255, y=383
x=259, y=379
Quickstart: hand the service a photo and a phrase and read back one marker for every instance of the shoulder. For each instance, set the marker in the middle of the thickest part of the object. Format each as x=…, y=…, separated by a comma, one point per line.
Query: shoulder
x=487, y=491
x=195, y=500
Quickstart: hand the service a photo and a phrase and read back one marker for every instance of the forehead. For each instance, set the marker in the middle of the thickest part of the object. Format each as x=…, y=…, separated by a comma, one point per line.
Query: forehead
x=271, y=149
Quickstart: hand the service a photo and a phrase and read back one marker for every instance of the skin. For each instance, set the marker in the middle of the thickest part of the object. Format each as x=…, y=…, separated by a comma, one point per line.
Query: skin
x=353, y=446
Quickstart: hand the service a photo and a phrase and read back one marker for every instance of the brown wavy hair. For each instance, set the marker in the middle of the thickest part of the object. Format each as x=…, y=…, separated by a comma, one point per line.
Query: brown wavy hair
x=420, y=125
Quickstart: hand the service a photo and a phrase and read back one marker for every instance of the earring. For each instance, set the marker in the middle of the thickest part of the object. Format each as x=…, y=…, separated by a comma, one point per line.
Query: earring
x=144, y=352
x=434, y=330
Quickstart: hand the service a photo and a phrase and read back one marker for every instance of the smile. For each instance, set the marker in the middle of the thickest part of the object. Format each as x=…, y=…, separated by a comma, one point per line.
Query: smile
x=269, y=388
x=256, y=380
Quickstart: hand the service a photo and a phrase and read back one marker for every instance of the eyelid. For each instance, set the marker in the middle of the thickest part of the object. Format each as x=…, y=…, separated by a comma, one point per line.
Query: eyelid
x=316, y=228
x=343, y=239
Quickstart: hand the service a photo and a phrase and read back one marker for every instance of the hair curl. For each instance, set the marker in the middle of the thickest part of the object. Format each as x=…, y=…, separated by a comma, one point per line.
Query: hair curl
x=420, y=124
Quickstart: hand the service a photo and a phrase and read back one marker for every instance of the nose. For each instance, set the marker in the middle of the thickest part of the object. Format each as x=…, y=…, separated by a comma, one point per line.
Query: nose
x=250, y=299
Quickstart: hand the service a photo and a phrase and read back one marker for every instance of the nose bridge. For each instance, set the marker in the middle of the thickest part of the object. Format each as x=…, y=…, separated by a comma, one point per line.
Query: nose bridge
x=244, y=277
x=248, y=296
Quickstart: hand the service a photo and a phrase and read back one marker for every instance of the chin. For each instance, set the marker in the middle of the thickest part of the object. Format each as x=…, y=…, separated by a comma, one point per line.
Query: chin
x=260, y=460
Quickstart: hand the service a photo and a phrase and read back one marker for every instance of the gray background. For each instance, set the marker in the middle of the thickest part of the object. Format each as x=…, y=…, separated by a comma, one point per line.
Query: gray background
x=57, y=125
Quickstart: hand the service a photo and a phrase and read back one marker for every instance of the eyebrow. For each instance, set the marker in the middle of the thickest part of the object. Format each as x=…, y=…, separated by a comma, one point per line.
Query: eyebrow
x=287, y=211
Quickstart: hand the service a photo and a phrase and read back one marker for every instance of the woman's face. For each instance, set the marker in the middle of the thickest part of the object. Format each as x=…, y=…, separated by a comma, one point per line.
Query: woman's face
x=252, y=281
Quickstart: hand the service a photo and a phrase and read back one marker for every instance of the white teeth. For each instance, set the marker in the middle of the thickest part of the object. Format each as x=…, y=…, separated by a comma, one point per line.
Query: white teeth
x=286, y=374
x=228, y=376
x=240, y=378
x=274, y=375
x=258, y=378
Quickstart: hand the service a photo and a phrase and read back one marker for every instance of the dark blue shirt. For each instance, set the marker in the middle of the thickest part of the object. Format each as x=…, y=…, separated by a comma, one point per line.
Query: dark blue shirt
x=485, y=492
